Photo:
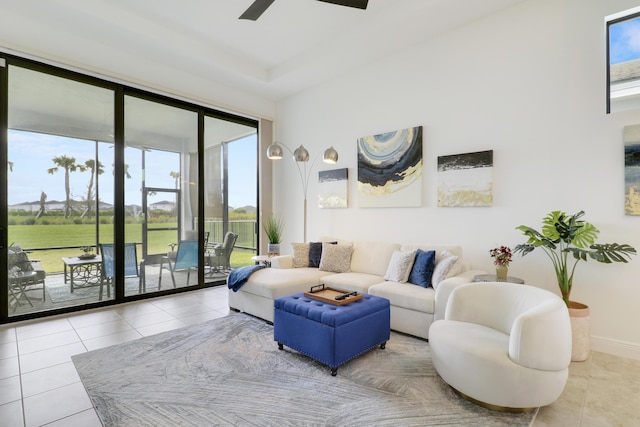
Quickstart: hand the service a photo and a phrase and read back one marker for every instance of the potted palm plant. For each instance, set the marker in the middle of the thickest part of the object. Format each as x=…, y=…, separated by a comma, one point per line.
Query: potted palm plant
x=567, y=240
x=273, y=228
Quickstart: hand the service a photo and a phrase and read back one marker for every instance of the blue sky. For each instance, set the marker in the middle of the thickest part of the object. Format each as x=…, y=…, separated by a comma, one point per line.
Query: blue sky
x=624, y=40
x=32, y=156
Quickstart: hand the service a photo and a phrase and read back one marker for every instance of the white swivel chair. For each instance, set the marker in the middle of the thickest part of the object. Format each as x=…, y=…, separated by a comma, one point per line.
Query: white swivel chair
x=503, y=346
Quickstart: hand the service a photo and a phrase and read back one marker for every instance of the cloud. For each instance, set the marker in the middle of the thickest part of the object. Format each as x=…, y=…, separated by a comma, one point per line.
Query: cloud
x=624, y=41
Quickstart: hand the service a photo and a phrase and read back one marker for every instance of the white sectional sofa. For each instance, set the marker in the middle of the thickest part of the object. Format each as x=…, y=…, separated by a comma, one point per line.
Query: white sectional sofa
x=413, y=308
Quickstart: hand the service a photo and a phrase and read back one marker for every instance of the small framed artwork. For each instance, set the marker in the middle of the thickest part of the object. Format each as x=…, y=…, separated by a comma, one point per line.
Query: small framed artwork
x=466, y=179
x=332, y=188
x=631, y=137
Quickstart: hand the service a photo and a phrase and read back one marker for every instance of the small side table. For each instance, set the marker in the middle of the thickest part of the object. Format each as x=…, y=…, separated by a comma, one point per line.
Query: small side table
x=262, y=259
x=494, y=278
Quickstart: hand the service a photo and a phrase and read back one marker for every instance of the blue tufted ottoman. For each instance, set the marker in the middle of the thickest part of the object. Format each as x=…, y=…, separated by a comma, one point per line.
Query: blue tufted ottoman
x=328, y=333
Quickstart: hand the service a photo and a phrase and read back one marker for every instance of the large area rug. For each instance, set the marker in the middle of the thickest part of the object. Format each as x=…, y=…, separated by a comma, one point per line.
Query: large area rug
x=229, y=371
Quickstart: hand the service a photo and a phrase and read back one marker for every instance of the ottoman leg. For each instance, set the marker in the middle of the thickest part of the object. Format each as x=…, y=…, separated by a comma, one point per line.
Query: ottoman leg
x=280, y=346
x=334, y=372
x=383, y=345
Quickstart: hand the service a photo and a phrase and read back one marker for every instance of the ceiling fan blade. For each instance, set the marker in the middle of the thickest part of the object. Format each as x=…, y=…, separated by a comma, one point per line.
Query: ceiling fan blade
x=256, y=9
x=359, y=4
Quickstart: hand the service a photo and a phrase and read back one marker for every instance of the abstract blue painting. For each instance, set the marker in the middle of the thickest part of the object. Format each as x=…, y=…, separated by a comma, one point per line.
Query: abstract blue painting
x=390, y=169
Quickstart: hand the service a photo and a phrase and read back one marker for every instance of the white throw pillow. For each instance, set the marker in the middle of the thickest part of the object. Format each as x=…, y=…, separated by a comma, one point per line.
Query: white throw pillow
x=400, y=266
x=336, y=258
x=445, y=267
x=300, y=255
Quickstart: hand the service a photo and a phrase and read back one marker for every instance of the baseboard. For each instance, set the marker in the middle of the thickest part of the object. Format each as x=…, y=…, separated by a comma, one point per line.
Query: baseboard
x=618, y=348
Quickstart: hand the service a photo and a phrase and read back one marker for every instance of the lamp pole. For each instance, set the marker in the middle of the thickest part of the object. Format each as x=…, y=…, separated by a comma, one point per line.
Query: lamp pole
x=301, y=155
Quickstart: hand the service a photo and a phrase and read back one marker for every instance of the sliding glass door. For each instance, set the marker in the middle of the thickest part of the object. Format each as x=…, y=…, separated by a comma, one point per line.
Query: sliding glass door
x=230, y=195
x=162, y=159
x=59, y=190
x=112, y=193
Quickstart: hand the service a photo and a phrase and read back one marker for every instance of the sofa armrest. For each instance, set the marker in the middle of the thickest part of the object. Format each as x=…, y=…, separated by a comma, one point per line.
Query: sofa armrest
x=447, y=286
x=282, y=261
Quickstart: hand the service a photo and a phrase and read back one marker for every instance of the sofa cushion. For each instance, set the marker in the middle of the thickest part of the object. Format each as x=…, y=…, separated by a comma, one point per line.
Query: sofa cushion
x=372, y=257
x=360, y=282
x=452, y=249
x=300, y=254
x=400, y=266
x=406, y=295
x=335, y=258
x=422, y=269
x=278, y=282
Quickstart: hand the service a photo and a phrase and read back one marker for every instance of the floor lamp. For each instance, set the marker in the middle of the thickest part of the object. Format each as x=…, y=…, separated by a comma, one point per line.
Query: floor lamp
x=301, y=156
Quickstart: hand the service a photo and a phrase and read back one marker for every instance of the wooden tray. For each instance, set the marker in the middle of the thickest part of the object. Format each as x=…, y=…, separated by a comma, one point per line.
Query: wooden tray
x=328, y=295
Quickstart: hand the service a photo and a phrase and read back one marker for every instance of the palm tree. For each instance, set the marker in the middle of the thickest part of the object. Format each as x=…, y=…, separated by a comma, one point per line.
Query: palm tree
x=69, y=165
x=95, y=169
x=176, y=177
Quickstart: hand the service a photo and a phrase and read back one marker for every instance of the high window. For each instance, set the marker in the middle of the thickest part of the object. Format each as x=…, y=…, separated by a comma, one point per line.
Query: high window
x=623, y=60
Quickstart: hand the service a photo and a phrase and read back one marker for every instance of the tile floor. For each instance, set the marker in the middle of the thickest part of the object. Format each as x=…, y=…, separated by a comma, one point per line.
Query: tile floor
x=39, y=384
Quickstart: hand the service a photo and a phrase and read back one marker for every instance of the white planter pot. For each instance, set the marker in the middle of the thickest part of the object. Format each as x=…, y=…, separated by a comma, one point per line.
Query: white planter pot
x=580, y=335
x=273, y=248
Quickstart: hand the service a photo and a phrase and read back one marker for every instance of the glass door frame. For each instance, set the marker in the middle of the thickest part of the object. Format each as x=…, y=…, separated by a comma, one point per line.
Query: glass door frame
x=145, y=207
x=120, y=90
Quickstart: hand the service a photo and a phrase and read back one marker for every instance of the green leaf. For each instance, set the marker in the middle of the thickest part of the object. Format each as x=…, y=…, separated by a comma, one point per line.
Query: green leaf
x=585, y=236
x=562, y=234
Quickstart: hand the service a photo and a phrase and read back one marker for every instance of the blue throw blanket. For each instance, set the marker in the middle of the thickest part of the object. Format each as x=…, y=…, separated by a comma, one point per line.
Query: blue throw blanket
x=239, y=276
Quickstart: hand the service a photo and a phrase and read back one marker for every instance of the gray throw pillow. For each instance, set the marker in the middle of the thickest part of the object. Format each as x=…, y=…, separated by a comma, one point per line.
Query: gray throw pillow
x=336, y=258
x=400, y=266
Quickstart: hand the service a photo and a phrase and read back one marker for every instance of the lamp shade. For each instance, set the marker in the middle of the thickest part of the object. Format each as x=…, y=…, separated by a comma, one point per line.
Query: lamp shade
x=274, y=151
x=330, y=156
x=301, y=154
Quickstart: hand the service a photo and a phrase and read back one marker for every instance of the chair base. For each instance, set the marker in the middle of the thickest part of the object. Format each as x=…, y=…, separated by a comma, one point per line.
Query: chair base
x=491, y=406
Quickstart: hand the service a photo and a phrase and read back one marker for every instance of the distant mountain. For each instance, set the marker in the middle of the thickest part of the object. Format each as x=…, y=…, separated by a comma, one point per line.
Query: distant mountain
x=247, y=208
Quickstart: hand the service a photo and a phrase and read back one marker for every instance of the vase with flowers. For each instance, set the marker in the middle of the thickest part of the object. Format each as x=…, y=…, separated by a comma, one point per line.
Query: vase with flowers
x=502, y=258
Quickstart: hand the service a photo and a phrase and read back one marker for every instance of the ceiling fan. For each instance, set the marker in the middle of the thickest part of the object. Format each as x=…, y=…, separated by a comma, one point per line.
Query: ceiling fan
x=259, y=6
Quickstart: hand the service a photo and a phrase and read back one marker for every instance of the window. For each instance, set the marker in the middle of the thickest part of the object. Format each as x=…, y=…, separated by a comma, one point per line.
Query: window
x=623, y=60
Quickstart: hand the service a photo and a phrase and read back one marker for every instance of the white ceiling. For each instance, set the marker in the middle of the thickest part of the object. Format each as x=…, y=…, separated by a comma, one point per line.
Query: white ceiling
x=294, y=45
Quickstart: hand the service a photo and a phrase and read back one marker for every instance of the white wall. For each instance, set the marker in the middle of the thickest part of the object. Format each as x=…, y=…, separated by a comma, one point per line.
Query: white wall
x=528, y=83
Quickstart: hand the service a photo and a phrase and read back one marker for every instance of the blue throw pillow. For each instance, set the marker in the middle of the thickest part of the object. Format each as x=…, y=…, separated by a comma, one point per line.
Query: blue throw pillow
x=422, y=269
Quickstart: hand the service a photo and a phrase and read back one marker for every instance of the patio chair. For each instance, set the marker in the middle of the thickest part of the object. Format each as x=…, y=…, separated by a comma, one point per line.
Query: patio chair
x=222, y=252
x=24, y=275
x=186, y=258
x=108, y=264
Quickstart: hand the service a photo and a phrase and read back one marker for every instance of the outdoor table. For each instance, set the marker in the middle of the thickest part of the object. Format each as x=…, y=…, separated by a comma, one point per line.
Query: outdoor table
x=82, y=272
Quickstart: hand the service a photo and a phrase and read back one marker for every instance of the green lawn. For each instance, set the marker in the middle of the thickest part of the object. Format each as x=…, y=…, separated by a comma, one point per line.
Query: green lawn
x=44, y=236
